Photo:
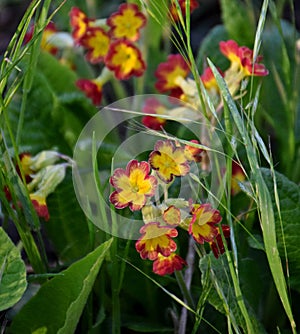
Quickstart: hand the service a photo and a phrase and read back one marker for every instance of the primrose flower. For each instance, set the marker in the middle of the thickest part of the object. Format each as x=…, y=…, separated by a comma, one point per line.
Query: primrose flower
x=97, y=41
x=125, y=59
x=242, y=59
x=46, y=44
x=167, y=73
x=237, y=176
x=202, y=226
x=91, y=88
x=217, y=246
x=40, y=206
x=153, y=106
x=172, y=216
x=166, y=265
x=79, y=23
x=193, y=153
x=208, y=79
x=133, y=185
x=168, y=160
x=126, y=22
x=174, y=12
x=156, y=240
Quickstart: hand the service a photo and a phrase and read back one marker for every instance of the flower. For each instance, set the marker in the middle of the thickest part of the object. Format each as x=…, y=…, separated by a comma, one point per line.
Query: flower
x=46, y=44
x=126, y=22
x=125, y=59
x=97, y=41
x=217, y=246
x=168, y=160
x=79, y=23
x=156, y=240
x=202, y=225
x=166, y=265
x=132, y=185
x=174, y=12
x=209, y=80
x=237, y=176
x=167, y=73
x=40, y=206
x=91, y=88
x=153, y=106
x=242, y=59
x=193, y=153
x=25, y=166
x=172, y=216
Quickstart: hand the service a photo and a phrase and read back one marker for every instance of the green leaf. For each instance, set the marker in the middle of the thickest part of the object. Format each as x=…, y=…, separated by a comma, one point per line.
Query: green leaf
x=67, y=228
x=12, y=272
x=58, y=305
x=289, y=237
x=223, y=297
x=238, y=21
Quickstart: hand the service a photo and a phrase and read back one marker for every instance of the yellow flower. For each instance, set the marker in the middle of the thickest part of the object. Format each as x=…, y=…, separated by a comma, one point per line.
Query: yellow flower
x=132, y=185
x=202, y=226
x=156, y=240
x=127, y=22
x=125, y=59
x=168, y=160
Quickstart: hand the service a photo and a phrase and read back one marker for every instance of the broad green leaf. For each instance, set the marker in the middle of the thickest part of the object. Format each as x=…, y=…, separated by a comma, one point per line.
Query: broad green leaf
x=58, y=305
x=238, y=21
x=289, y=197
x=223, y=297
x=67, y=228
x=12, y=272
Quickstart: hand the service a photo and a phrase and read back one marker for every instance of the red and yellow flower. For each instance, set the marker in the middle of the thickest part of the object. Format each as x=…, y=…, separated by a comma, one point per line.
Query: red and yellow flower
x=126, y=22
x=133, y=185
x=168, y=160
x=46, y=44
x=217, y=246
x=166, y=265
x=97, y=42
x=79, y=23
x=174, y=12
x=237, y=176
x=125, y=60
x=154, y=106
x=209, y=80
x=203, y=223
x=193, y=153
x=156, y=240
x=91, y=88
x=242, y=59
x=40, y=206
x=167, y=73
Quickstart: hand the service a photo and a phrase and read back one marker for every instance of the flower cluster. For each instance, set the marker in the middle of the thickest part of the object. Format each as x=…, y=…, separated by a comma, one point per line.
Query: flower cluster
x=137, y=187
x=111, y=42
x=41, y=175
x=173, y=75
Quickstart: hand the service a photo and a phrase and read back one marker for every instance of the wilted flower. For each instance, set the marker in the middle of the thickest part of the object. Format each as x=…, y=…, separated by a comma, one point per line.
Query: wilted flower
x=168, y=160
x=203, y=223
x=166, y=265
x=126, y=22
x=133, y=185
x=125, y=60
x=156, y=240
